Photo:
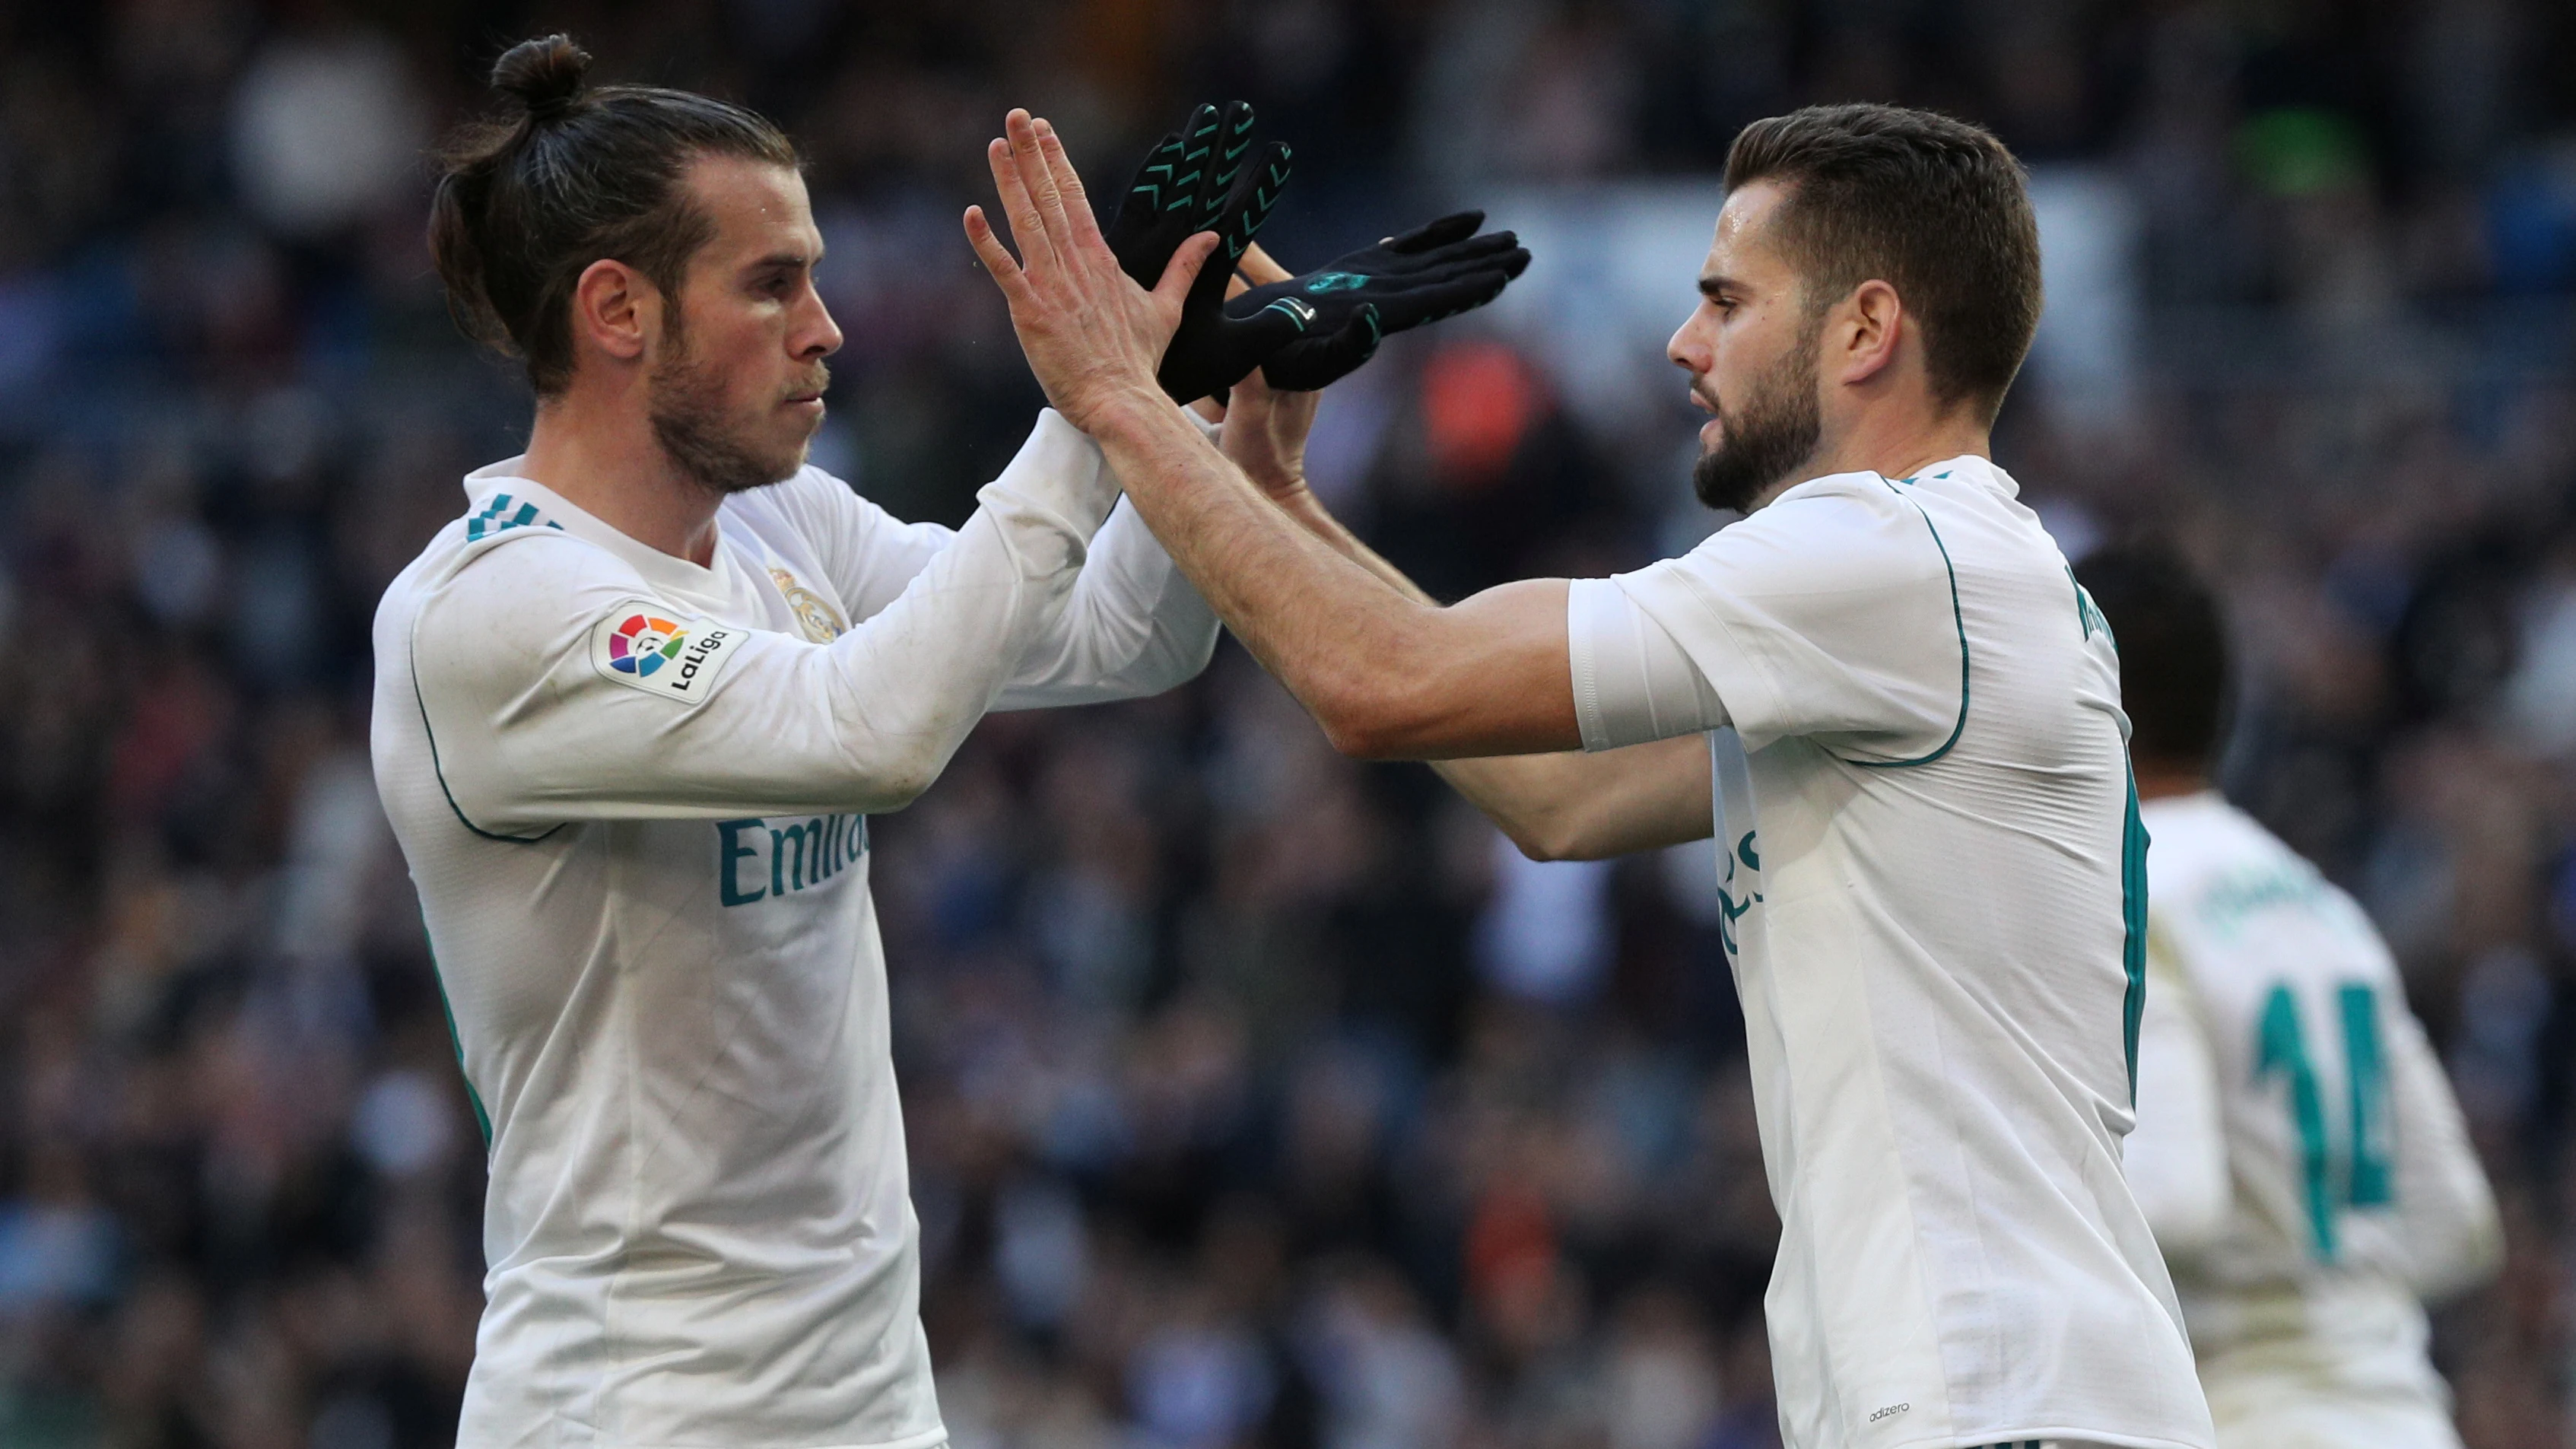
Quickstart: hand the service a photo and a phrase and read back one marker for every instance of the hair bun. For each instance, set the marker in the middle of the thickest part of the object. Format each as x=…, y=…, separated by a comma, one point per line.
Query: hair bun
x=545, y=74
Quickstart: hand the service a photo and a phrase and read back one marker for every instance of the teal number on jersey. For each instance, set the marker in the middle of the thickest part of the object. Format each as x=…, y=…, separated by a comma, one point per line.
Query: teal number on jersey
x=2371, y=1179
x=2360, y=1175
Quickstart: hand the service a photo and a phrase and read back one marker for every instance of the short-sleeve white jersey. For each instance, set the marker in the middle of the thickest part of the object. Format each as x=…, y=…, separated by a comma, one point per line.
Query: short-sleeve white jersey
x=2302, y=1158
x=633, y=793
x=1934, y=906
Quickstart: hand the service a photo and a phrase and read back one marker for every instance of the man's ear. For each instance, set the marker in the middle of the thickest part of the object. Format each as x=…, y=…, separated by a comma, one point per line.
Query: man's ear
x=615, y=310
x=1862, y=340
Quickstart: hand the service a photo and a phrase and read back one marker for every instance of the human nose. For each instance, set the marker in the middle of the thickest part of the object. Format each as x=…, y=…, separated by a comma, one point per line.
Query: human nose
x=1688, y=350
x=816, y=335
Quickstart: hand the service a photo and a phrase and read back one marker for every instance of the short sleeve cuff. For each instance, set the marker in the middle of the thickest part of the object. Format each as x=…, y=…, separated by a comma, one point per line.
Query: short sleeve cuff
x=1632, y=682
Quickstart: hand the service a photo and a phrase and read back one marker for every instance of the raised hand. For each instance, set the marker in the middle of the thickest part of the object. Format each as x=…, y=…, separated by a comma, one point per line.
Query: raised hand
x=1205, y=177
x=1093, y=337
x=1347, y=307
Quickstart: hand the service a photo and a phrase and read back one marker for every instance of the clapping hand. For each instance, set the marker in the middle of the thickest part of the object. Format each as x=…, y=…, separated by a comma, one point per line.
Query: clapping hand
x=1094, y=337
x=1302, y=332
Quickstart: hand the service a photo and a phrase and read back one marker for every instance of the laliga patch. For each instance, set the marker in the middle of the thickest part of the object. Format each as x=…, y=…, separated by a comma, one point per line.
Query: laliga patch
x=642, y=647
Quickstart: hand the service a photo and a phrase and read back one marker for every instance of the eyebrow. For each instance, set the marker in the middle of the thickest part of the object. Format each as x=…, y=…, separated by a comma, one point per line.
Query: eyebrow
x=785, y=259
x=1710, y=286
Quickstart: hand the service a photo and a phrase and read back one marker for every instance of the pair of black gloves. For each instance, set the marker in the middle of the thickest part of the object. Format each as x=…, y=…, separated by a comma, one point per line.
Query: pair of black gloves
x=1305, y=332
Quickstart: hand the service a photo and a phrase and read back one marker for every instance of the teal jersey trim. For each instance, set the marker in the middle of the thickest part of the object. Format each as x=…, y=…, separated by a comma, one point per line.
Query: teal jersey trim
x=440, y=770
x=482, y=1118
x=1958, y=620
x=2133, y=919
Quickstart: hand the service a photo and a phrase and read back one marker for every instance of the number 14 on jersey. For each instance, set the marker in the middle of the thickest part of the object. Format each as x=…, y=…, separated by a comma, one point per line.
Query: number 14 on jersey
x=2338, y=1171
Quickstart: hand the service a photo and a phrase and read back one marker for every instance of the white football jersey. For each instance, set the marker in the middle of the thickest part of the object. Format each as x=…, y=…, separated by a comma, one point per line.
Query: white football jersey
x=633, y=793
x=2298, y=1151
x=1934, y=891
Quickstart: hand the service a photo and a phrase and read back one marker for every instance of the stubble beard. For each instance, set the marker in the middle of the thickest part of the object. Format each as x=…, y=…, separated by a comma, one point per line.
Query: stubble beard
x=685, y=398
x=1771, y=436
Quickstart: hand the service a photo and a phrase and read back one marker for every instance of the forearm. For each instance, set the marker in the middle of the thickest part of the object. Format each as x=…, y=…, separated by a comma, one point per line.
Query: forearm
x=1561, y=806
x=1301, y=505
x=530, y=728
x=1386, y=673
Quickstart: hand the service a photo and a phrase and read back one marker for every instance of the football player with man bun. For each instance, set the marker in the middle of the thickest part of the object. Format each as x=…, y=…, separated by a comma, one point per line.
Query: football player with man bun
x=634, y=707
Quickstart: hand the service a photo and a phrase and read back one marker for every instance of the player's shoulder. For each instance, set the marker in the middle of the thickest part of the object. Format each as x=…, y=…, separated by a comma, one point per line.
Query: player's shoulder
x=2216, y=870
x=1837, y=534
x=1837, y=503
x=2195, y=835
x=507, y=574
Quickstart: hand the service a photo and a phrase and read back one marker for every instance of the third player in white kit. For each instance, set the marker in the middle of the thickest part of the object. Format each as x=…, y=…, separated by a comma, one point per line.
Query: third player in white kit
x=2298, y=1150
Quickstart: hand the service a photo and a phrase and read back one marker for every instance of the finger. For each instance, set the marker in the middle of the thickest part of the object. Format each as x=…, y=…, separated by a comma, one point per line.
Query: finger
x=1079, y=222
x=1233, y=138
x=1023, y=132
x=997, y=258
x=1141, y=232
x=1018, y=204
x=1259, y=266
x=1457, y=226
x=1190, y=189
x=1403, y=308
x=1485, y=250
x=1154, y=178
x=1186, y=264
x=1255, y=193
x=1311, y=366
x=1216, y=151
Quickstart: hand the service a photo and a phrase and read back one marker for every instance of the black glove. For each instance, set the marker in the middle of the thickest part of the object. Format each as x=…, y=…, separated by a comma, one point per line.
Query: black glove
x=1202, y=180
x=1343, y=310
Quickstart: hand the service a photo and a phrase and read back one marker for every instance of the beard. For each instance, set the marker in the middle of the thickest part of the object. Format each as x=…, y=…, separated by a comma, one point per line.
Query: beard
x=1770, y=436
x=724, y=452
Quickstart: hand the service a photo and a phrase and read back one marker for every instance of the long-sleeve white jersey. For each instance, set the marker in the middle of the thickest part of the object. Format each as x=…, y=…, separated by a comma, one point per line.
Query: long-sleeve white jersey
x=2298, y=1150
x=633, y=793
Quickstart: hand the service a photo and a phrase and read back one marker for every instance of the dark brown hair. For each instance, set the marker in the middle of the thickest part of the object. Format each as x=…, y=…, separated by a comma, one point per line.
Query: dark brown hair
x=2172, y=639
x=1933, y=206
x=564, y=177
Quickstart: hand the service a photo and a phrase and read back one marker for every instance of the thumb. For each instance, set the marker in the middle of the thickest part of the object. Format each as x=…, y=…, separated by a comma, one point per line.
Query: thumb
x=1183, y=269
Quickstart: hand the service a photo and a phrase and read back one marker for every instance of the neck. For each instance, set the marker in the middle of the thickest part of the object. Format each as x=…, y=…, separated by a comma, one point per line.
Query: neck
x=1890, y=444
x=2160, y=780
x=600, y=455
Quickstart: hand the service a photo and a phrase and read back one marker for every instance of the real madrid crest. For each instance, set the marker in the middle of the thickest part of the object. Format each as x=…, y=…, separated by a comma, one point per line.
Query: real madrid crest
x=820, y=621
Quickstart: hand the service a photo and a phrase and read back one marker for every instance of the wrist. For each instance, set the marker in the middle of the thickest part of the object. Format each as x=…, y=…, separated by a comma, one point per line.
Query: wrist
x=1130, y=415
x=1284, y=487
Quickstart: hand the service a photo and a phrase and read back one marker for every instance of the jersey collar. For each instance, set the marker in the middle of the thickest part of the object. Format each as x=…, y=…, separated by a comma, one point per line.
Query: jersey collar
x=665, y=572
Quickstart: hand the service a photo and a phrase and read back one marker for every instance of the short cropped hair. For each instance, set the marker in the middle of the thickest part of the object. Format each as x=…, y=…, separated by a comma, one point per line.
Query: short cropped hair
x=2174, y=665
x=565, y=177
x=1935, y=207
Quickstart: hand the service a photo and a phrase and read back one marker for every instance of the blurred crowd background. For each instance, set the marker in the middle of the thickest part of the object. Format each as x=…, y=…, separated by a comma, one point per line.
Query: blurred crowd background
x=1256, y=1098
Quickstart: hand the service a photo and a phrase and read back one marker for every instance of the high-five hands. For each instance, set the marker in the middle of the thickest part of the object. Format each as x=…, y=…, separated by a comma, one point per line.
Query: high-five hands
x=1093, y=337
x=1206, y=177
x=1437, y=270
x=1303, y=332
